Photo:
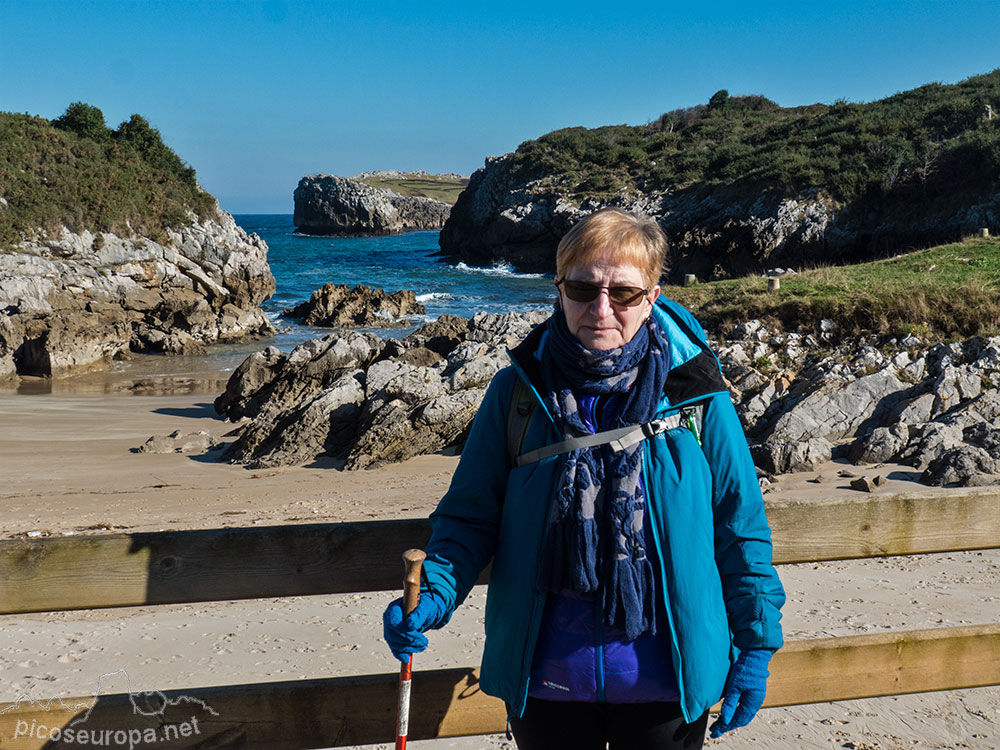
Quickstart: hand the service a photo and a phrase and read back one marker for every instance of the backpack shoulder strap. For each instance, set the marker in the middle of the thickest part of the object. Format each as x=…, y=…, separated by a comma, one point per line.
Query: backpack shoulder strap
x=618, y=439
x=522, y=404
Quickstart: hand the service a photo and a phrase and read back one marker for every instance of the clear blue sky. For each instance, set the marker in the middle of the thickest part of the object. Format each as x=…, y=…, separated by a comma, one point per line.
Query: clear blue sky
x=256, y=94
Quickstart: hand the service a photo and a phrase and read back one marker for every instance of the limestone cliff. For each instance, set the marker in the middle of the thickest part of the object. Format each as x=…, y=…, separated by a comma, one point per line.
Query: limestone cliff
x=330, y=205
x=713, y=232
x=74, y=301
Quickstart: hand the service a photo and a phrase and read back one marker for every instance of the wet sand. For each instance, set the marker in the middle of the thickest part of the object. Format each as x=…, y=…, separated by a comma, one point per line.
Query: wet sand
x=68, y=468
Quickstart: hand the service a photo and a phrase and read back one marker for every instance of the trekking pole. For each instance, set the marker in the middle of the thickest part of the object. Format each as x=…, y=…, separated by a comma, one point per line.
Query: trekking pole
x=412, y=559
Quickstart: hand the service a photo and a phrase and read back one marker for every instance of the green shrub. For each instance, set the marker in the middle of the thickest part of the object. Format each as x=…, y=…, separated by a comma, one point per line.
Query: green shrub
x=74, y=172
x=916, y=145
x=84, y=120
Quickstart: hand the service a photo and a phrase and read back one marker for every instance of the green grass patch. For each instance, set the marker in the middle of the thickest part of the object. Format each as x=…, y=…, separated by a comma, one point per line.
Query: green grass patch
x=445, y=189
x=75, y=172
x=947, y=292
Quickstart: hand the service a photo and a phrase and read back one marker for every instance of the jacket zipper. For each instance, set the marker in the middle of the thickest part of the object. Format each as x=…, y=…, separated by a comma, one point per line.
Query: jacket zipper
x=675, y=649
x=599, y=651
x=599, y=674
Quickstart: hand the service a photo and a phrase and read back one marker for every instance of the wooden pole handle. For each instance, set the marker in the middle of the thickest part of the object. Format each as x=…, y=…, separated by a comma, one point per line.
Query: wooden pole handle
x=413, y=559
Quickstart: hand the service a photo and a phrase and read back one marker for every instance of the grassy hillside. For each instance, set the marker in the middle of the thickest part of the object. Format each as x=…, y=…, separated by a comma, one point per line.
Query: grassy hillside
x=440, y=187
x=948, y=292
x=76, y=172
x=934, y=143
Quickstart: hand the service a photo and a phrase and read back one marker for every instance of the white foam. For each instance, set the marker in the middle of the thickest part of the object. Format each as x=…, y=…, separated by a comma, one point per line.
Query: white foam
x=498, y=269
x=434, y=297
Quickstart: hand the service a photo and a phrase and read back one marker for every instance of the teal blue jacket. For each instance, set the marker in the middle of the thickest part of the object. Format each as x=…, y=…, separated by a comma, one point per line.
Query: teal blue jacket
x=721, y=591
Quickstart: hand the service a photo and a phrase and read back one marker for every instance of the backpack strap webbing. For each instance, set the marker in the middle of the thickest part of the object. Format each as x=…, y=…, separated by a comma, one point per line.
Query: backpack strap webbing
x=618, y=439
x=522, y=404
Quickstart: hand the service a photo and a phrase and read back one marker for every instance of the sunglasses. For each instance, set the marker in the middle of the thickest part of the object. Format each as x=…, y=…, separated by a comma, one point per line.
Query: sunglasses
x=582, y=291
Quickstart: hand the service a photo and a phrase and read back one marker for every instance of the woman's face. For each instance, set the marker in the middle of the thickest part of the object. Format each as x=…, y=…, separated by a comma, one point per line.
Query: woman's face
x=601, y=324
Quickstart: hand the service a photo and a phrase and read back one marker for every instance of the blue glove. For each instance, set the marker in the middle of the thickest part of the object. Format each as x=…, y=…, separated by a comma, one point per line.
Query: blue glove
x=744, y=693
x=406, y=636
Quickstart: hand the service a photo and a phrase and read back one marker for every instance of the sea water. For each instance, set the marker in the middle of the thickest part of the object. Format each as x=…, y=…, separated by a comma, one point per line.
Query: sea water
x=301, y=264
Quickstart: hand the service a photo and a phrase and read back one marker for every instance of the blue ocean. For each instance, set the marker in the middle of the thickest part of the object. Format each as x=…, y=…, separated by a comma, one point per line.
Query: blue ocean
x=301, y=264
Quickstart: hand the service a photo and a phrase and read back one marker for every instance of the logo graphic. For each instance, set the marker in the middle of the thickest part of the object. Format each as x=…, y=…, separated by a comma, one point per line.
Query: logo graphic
x=152, y=703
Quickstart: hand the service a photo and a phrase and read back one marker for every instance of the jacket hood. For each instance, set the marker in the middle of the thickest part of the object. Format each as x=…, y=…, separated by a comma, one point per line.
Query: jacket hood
x=694, y=370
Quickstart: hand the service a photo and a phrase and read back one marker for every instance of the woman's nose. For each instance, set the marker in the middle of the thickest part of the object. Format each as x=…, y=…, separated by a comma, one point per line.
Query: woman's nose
x=601, y=306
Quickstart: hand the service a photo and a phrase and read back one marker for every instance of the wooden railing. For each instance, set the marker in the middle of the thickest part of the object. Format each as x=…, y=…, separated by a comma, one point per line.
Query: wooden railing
x=119, y=570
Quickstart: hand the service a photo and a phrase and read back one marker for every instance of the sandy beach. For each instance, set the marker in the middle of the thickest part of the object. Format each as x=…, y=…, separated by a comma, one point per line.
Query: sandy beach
x=68, y=467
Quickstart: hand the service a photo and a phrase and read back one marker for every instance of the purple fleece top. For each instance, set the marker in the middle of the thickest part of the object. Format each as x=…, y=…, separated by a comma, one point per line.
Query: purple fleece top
x=578, y=657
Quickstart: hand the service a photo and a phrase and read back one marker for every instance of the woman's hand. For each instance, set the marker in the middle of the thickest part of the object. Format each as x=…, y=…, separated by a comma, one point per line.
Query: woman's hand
x=744, y=693
x=405, y=635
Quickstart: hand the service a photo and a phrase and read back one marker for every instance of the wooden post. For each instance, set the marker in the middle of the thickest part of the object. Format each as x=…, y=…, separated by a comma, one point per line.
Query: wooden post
x=690, y=279
x=984, y=232
x=773, y=284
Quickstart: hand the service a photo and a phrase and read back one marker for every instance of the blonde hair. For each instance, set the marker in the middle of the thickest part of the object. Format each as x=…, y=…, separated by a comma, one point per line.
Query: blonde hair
x=614, y=233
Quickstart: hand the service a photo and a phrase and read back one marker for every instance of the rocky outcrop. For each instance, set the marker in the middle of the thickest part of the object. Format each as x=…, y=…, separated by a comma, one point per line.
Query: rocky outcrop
x=330, y=205
x=366, y=400
x=76, y=301
x=936, y=408
x=713, y=231
x=337, y=305
x=804, y=398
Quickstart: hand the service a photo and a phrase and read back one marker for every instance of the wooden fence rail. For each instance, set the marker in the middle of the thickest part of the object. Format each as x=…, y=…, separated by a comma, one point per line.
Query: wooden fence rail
x=345, y=711
x=191, y=566
x=120, y=570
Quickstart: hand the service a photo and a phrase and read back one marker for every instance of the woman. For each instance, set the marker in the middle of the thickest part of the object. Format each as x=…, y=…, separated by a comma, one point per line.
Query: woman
x=632, y=583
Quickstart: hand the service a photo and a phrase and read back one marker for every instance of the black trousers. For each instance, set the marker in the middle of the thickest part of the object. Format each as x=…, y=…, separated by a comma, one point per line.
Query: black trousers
x=552, y=725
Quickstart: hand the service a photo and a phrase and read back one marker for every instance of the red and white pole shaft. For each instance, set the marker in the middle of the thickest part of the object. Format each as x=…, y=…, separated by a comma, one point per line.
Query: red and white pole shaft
x=412, y=559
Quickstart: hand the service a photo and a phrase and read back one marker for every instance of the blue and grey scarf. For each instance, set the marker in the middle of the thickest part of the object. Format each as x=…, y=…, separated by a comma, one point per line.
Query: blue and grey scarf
x=596, y=541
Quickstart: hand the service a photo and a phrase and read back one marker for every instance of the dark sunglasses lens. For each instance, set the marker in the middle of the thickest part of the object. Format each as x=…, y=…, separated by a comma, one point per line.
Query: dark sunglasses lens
x=629, y=296
x=581, y=291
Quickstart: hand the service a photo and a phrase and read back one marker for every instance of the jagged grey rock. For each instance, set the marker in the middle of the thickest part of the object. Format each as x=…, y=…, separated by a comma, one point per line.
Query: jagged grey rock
x=321, y=425
x=341, y=305
x=986, y=435
x=805, y=454
x=397, y=408
x=72, y=302
x=929, y=442
x=833, y=411
x=953, y=386
x=245, y=391
x=963, y=466
x=881, y=444
x=914, y=411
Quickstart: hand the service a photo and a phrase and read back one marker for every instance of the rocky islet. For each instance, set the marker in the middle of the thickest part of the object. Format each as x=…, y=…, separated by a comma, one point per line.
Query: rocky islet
x=340, y=305
x=330, y=205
